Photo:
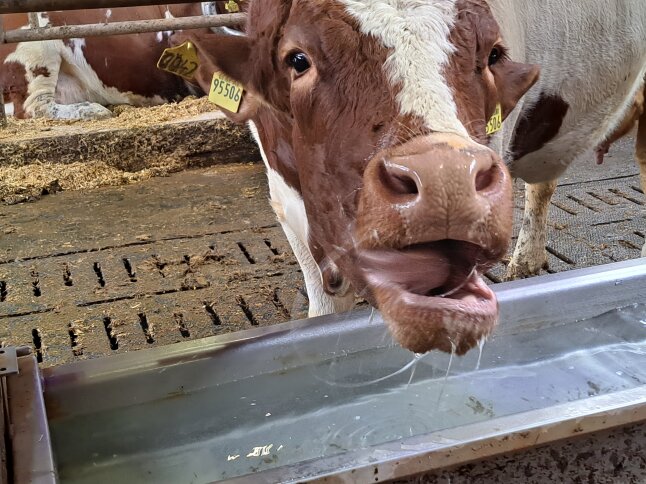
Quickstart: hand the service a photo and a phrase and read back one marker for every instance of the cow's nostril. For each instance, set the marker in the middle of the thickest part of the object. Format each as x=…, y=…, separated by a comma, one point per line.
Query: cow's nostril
x=398, y=179
x=485, y=178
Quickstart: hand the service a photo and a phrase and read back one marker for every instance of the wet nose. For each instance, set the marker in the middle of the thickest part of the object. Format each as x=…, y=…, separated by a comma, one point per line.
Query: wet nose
x=436, y=187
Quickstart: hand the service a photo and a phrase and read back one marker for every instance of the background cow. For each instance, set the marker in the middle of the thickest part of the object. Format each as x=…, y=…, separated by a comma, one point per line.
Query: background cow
x=529, y=254
x=77, y=78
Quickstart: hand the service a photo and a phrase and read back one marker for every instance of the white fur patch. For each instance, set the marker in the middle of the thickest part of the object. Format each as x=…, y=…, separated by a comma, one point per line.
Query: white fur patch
x=43, y=19
x=167, y=33
x=417, y=32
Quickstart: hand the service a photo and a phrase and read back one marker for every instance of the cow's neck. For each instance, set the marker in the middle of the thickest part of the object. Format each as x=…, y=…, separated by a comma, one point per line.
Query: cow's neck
x=275, y=133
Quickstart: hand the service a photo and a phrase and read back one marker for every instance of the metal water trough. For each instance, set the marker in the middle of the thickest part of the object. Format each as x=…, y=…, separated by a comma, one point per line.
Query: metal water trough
x=309, y=400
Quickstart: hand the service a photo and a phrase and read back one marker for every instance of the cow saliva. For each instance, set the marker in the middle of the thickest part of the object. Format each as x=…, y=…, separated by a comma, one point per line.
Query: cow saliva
x=411, y=365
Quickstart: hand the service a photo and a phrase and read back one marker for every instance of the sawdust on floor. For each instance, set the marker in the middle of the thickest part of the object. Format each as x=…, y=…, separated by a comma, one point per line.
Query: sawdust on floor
x=30, y=182
x=125, y=117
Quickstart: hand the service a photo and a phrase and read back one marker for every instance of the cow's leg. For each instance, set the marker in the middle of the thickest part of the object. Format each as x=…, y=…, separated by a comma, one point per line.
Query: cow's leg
x=529, y=254
x=42, y=64
x=640, y=156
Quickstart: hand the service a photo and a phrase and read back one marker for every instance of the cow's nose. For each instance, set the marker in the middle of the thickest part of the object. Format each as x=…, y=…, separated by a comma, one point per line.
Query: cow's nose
x=433, y=188
x=406, y=177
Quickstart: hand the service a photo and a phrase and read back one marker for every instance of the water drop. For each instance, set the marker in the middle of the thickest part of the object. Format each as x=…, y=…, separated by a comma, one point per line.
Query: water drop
x=418, y=358
x=446, y=376
x=481, y=344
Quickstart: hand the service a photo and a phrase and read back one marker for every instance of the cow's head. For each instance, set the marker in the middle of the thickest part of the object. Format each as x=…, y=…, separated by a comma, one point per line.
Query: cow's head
x=375, y=111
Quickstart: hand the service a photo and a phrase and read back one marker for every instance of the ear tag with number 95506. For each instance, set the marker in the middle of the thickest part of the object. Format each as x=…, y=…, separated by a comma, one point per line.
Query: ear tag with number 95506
x=495, y=122
x=181, y=60
x=225, y=93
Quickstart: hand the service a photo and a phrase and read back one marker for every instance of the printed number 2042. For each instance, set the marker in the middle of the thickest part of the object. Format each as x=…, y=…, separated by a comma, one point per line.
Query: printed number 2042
x=174, y=62
x=221, y=87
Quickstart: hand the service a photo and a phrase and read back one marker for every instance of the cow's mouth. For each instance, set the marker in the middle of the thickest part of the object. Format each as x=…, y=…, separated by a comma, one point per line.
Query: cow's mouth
x=432, y=295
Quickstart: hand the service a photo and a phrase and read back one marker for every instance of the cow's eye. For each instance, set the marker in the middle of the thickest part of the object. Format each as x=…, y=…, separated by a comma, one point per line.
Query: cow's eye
x=298, y=61
x=494, y=56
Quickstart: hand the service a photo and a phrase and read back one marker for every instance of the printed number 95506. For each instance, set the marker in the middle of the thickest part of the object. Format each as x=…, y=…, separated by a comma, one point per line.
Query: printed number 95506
x=226, y=89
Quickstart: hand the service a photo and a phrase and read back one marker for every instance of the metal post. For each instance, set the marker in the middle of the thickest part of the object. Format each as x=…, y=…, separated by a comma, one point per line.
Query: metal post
x=33, y=20
x=122, y=28
x=3, y=115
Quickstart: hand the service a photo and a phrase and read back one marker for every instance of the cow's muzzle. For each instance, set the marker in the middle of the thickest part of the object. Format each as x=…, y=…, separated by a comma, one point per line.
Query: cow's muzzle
x=433, y=214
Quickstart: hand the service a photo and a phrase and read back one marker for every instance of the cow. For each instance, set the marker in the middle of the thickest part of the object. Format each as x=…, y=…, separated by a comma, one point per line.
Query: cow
x=372, y=117
x=529, y=256
x=78, y=78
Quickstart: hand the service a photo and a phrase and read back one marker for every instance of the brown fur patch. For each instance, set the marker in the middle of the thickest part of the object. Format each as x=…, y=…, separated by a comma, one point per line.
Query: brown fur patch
x=538, y=125
x=13, y=79
x=40, y=71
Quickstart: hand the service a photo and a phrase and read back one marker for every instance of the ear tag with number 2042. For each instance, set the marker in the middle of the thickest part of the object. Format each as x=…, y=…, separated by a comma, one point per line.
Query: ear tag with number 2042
x=495, y=122
x=225, y=93
x=181, y=60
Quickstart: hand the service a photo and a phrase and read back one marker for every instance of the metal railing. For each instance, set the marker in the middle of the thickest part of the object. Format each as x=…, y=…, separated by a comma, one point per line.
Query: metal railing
x=121, y=28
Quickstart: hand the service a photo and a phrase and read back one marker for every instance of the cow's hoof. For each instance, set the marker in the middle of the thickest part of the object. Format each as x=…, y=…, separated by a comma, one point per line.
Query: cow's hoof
x=83, y=111
x=88, y=110
x=522, y=270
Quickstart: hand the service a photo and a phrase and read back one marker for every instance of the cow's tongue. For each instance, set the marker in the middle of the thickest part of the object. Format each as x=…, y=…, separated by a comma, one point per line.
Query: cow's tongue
x=418, y=269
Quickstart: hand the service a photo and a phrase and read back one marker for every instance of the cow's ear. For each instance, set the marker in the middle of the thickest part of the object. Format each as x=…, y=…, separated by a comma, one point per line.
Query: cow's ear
x=229, y=55
x=513, y=80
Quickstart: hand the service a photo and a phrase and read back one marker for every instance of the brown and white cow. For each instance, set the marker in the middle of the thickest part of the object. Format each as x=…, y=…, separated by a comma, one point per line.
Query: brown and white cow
x=529, y=254
x=371, y=116
x=77, y=78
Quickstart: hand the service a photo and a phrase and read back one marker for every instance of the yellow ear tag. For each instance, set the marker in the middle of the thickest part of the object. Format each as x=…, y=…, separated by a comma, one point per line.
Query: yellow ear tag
x=232, y=7
x=181, y=60
x=225, y=93
x=495, y=123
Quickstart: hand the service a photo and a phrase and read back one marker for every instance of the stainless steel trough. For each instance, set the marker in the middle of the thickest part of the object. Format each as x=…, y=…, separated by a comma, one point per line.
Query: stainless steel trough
x=328, y=399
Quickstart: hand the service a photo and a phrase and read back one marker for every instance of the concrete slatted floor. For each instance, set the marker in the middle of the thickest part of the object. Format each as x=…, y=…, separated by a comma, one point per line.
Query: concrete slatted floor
x=86, y=274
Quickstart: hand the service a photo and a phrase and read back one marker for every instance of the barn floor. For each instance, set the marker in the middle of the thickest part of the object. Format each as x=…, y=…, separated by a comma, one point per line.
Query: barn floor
x=117, y=269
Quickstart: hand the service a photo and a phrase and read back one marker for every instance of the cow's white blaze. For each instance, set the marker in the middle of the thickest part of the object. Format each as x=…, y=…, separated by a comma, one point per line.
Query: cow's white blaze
x=417, y=32
x=290, y=211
